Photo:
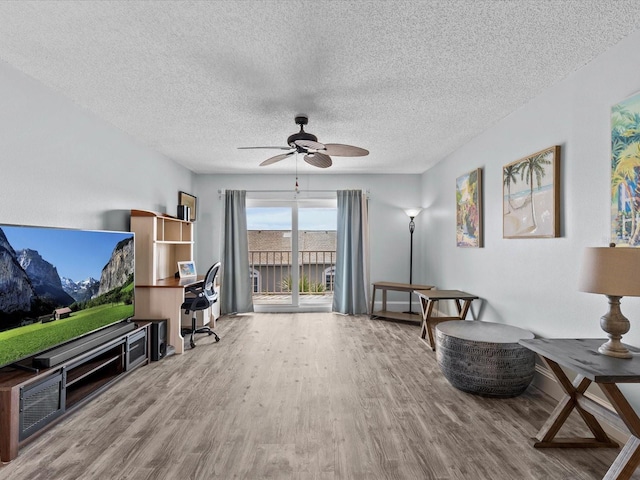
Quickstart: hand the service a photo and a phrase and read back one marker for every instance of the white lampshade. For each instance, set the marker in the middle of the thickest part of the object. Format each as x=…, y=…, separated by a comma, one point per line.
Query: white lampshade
x=611, y=271
x=412, y=212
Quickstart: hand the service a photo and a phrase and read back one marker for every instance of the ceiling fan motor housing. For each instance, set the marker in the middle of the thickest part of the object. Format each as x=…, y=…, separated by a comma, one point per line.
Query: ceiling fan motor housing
x=301, y=120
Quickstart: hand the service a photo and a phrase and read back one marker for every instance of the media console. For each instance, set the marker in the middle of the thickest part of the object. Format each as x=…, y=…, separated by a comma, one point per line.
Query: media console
x=73, y=374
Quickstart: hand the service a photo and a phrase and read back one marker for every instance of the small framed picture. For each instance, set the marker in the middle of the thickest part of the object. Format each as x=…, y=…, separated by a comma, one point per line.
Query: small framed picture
x=189, y=201
x=186, y=269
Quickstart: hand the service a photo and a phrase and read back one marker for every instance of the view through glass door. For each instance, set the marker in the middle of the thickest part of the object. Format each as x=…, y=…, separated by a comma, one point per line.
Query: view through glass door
x=292, y=249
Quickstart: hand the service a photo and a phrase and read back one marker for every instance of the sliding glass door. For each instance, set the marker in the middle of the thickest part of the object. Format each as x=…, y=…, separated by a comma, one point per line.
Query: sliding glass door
x=291, y=253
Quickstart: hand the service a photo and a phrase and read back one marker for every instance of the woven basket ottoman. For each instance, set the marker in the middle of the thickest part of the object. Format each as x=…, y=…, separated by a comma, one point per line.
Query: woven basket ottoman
x=484, y=358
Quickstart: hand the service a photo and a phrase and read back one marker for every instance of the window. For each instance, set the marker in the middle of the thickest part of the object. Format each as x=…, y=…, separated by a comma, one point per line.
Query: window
x=255, y=280
x=329, y=278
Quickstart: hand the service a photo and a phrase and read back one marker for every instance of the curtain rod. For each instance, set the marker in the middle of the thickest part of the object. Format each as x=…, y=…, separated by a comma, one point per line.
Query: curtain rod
x=286, y=191
x=221, y=192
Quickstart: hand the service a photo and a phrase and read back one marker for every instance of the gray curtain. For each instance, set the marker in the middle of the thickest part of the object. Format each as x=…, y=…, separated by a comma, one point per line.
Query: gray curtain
x=351, y=287
x=236, y=292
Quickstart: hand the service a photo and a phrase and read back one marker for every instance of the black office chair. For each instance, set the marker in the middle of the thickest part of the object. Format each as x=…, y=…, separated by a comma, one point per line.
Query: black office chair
x=205, y=296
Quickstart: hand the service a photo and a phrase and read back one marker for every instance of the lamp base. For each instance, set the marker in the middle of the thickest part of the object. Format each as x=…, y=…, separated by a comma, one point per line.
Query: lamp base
x=616, y=325
x=611, y=349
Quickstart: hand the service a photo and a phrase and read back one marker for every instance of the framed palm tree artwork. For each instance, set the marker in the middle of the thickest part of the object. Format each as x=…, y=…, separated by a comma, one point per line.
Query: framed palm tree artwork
x=531, y=196
x=625, y=172
x=469, y=209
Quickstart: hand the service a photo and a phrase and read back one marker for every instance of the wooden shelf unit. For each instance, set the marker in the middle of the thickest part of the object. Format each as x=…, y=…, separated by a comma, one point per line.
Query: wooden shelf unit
x=161, y=242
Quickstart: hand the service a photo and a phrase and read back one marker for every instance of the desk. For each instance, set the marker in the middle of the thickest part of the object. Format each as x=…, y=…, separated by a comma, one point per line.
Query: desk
x=163, y=300
x=582, y=357
x=429, y=297
x=398, y=287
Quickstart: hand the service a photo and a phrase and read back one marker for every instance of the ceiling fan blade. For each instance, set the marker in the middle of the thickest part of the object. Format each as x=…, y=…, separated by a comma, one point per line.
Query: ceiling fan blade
x=309, y=144
x=318, y=160
x=270, y=148
x=275, y=159
x=339, y=150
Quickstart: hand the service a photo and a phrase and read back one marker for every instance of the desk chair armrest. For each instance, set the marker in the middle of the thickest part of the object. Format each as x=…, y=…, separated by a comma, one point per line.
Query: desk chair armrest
x=195, y=288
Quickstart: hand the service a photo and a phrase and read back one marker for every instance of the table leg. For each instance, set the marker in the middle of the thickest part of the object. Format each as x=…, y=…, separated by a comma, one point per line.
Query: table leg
x=629, y=458
x=459, y=308
x=423, y=313
x=465, y=309
x=373, y=302
x=626, y=462
x=571, y=400
x=426, y=307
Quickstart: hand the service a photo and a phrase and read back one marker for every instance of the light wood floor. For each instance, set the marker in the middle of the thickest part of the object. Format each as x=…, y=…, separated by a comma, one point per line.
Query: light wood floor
x=302, y=396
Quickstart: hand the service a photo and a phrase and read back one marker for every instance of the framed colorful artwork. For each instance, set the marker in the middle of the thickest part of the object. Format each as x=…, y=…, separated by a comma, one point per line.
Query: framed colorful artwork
x=531, y=196
x=625, y=172
x=469, y=209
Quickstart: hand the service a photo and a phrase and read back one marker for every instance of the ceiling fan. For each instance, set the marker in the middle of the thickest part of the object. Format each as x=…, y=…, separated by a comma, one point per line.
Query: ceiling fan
x=316, y=153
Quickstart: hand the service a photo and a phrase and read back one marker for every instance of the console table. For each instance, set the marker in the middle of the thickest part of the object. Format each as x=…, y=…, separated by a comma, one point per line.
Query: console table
x=582, y=357
x=427, y=300
x=398, y=287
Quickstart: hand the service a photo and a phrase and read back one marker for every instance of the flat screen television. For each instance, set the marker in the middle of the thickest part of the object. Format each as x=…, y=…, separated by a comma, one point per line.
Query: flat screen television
x=58, y=284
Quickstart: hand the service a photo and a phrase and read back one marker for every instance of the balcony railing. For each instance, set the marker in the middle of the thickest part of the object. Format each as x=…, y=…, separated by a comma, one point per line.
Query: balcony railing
x=271, y=271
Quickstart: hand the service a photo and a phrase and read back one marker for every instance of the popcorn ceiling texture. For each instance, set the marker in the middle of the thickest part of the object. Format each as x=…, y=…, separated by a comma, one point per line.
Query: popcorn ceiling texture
x=411, y=81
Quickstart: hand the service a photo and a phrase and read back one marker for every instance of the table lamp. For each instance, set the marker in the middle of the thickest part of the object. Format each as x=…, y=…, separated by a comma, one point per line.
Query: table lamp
x=614, y=272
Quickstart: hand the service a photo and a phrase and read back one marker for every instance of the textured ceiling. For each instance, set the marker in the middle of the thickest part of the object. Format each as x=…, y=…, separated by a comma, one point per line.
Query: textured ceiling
x=410, y=81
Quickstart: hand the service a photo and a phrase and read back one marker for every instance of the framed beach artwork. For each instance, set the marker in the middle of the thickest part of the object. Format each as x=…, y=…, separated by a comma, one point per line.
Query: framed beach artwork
x=469, y=209
x=625, y=171
x=531, y=196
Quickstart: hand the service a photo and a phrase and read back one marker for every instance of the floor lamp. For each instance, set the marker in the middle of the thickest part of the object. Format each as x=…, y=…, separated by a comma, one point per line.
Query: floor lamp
x=411, y=213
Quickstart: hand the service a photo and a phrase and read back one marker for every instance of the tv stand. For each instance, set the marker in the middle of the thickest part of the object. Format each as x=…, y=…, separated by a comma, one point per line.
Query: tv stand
x=26, y=368
x=32, y=401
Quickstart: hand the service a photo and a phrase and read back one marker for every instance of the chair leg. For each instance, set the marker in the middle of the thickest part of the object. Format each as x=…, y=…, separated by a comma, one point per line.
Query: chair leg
x=208, y=330
x=192, y=342
x=194, y=330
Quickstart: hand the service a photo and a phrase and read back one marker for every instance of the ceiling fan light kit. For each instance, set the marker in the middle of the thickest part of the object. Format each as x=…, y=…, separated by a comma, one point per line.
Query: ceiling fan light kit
x=315, y=153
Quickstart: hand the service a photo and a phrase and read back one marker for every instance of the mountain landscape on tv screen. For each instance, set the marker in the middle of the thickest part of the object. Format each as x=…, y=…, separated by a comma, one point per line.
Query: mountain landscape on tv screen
x=83, y=290
x=31, y=288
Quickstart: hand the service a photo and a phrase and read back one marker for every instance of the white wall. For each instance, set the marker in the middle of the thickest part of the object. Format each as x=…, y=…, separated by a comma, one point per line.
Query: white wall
x=388, y=224
x=61, y=166
x=532, y=283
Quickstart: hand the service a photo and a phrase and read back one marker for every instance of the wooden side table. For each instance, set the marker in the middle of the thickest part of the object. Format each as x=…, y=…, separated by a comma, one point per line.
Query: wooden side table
x=399, y=287
x=428, y=298
x=581, y=356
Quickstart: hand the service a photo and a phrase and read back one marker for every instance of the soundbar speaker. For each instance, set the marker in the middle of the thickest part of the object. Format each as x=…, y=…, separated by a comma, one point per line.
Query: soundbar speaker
x=158, y=340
